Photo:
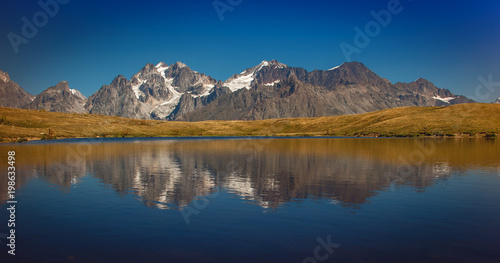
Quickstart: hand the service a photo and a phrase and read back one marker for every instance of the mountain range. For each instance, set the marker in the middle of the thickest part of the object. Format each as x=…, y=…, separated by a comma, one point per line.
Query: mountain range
x=268, y=90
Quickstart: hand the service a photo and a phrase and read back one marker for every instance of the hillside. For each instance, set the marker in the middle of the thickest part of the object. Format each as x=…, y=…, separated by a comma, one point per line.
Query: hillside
x=457, y=120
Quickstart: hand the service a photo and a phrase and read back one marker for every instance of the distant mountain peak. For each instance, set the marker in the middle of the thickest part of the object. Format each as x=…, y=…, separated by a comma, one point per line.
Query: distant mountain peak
x=422, y=81
x=161, y=67
x=354, y=65
x=119, y=79
x=273, y=63
x=62, y=85
x=59, y=98
x=179, y=64
x=246, y=78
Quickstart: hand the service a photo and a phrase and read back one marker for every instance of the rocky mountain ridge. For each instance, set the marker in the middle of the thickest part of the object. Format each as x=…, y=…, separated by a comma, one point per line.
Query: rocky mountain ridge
x=268, y=90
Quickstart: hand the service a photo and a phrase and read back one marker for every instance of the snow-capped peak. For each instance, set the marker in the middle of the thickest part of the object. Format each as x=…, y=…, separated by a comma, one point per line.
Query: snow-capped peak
x=245, y=78
x=274, y=64
x=264, y=63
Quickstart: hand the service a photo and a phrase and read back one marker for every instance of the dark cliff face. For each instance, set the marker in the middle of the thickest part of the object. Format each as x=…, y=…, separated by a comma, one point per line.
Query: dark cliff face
x=11, y=94
x=59, y=98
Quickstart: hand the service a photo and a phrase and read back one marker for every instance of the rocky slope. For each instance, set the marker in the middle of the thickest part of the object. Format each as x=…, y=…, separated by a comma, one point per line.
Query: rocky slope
x=11, y=94
x=59, y=98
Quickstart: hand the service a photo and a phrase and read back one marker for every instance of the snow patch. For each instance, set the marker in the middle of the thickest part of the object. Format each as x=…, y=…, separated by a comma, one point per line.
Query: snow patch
x=171, y=102
x=161, y=67
x=136, y=89
x=264, y=64
x=168, y=106
x=272, y=83
x=208, y=88
x=245, y=78
x=446, y=100
x=73, y=91
x=240, y=82
x=335, y=67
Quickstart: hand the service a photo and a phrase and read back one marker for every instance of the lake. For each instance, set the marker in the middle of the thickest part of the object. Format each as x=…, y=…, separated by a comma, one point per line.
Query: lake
x=253, y=200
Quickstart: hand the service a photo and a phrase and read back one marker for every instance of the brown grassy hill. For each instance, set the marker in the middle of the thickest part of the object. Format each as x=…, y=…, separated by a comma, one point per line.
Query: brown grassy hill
x=458, y=120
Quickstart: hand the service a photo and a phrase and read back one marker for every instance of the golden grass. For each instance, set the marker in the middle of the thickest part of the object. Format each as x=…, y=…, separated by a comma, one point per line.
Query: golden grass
x=458, y=120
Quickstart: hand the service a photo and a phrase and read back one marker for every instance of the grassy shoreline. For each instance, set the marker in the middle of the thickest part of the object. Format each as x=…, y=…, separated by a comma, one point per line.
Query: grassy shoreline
x=464, y=120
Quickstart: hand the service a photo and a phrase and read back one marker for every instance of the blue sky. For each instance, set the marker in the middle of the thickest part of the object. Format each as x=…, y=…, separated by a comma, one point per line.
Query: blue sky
x=89, y=43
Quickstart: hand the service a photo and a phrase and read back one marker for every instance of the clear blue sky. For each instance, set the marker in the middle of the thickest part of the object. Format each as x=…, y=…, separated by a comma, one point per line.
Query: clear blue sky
x=88, y=43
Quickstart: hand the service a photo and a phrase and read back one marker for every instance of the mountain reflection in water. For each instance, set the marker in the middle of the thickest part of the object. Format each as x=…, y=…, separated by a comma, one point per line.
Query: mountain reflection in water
x=267, y=172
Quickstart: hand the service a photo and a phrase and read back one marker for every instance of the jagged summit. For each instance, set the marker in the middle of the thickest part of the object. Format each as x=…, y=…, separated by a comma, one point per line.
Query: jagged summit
x=161, y=65
x=180, y=65
x=248, y=76
x=274, y=63
x=153, y=92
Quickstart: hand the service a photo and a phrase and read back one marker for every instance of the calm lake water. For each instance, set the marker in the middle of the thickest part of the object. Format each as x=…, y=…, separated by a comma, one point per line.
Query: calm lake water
x=254, y=200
